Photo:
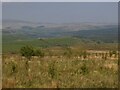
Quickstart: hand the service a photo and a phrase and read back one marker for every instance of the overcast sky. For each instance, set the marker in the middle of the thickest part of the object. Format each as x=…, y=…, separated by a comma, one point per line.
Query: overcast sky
x=61, y=12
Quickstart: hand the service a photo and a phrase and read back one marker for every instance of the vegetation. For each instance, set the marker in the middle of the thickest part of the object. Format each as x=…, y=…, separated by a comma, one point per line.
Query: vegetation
x=39, y=53
x=14, y=45
x=75, y=69
x=27, y=51
x=39, y=57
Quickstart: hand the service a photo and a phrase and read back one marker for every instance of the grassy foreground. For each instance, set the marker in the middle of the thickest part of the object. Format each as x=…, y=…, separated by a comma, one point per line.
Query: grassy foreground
x=59, y=72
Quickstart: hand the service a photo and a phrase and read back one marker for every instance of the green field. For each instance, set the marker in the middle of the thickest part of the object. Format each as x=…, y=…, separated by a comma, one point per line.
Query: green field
x=14, y=44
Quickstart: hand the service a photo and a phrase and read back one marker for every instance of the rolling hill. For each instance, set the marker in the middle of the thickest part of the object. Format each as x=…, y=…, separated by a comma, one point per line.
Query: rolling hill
x=101, y=32
x=19, y=33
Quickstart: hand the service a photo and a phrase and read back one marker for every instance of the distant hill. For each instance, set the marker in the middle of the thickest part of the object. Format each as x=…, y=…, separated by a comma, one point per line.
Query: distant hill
x=109, y=34
x=17, y=30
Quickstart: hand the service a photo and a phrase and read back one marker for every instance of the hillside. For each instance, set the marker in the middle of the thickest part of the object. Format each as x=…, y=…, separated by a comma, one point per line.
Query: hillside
x=19, y=33
x=92, y=31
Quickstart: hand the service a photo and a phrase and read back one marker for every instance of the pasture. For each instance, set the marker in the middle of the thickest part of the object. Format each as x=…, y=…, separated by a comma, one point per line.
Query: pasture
x=95, y=69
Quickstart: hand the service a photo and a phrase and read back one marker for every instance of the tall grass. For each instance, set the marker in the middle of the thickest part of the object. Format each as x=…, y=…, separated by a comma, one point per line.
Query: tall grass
x=59, y=72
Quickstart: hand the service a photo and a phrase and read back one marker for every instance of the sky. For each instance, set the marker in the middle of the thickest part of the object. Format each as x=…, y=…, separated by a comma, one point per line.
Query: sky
x=60, y=0
x=102, y=12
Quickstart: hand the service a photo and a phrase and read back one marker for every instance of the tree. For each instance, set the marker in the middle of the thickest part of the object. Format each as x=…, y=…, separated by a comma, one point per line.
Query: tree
x=27, y=51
